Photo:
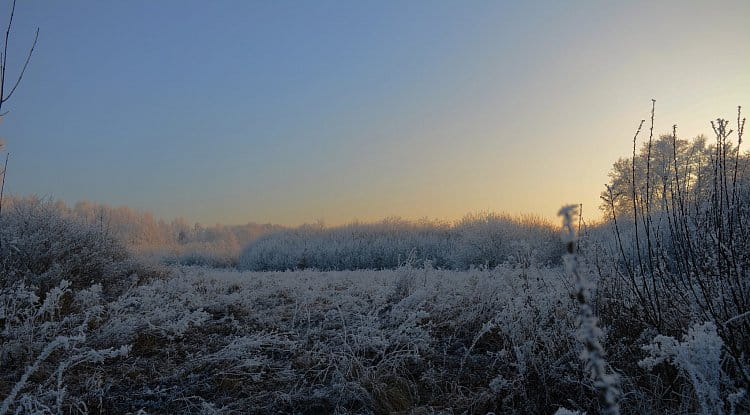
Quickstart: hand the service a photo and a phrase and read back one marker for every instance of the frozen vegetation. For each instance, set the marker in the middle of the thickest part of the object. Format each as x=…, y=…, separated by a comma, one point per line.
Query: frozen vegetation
x=305, y=341
x=482, y=239
x=151, y=239
x=648, y=312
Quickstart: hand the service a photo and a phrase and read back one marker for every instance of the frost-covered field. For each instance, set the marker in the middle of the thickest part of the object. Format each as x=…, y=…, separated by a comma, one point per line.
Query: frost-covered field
x=87, y=327
x=410, y=341
x=209, y=341
x=651, y=316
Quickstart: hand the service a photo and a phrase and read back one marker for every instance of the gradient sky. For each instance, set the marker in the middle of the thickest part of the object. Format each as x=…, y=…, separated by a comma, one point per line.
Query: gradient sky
x=289, y=112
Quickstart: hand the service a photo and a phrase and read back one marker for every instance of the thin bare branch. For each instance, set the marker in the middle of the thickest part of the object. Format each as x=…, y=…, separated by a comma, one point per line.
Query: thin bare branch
x=23, y=70
x=5, y=51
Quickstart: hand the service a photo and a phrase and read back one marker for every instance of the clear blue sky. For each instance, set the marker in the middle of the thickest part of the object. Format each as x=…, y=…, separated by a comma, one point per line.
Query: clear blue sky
x=288, y=112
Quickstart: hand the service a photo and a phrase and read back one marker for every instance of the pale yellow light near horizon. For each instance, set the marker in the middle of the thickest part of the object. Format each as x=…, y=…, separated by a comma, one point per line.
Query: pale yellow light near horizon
x=511, y=109
x=564, y=160
x=550, y=142
x=448, y=185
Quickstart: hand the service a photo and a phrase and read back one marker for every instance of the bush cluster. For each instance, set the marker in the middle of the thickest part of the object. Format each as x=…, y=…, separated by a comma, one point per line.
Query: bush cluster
x=485, y=239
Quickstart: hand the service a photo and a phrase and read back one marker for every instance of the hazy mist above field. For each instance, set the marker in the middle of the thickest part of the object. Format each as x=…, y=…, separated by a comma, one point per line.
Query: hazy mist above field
x=291, y=112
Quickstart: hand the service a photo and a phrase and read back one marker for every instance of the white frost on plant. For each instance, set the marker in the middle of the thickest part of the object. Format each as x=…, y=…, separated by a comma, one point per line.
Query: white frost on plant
x=698, y=357
x=588, y=330
x=564, y=411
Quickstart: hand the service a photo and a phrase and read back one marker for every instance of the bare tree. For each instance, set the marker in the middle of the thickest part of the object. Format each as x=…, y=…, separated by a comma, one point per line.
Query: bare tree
x=4, y=97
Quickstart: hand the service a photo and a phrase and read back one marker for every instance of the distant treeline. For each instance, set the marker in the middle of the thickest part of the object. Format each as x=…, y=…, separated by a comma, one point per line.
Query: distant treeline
x=481, y=239
x=173, y=242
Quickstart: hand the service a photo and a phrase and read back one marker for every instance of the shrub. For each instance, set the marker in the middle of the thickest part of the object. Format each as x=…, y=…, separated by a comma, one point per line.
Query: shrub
x=40, y=245
x=485, y=239
x=681, y=250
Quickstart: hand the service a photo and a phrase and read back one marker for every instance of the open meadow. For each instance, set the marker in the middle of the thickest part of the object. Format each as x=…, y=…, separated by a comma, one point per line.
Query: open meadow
x=374, y=207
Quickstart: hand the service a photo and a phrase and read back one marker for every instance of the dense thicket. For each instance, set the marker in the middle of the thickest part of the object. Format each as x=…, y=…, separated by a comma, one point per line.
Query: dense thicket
x=485, y=239
x=40, y=246
x=678, y=251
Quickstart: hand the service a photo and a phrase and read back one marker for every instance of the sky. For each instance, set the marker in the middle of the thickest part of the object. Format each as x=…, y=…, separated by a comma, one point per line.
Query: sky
x=292, y=112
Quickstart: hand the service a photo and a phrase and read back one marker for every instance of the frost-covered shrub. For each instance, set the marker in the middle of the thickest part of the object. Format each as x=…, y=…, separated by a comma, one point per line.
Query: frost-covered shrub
x=40, y=246
x=491, y=239
x=485, y=239
x=678, y=244
x=698, y=358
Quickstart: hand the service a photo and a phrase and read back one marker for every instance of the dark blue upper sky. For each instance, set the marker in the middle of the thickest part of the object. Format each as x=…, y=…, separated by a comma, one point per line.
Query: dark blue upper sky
x=238, y=111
